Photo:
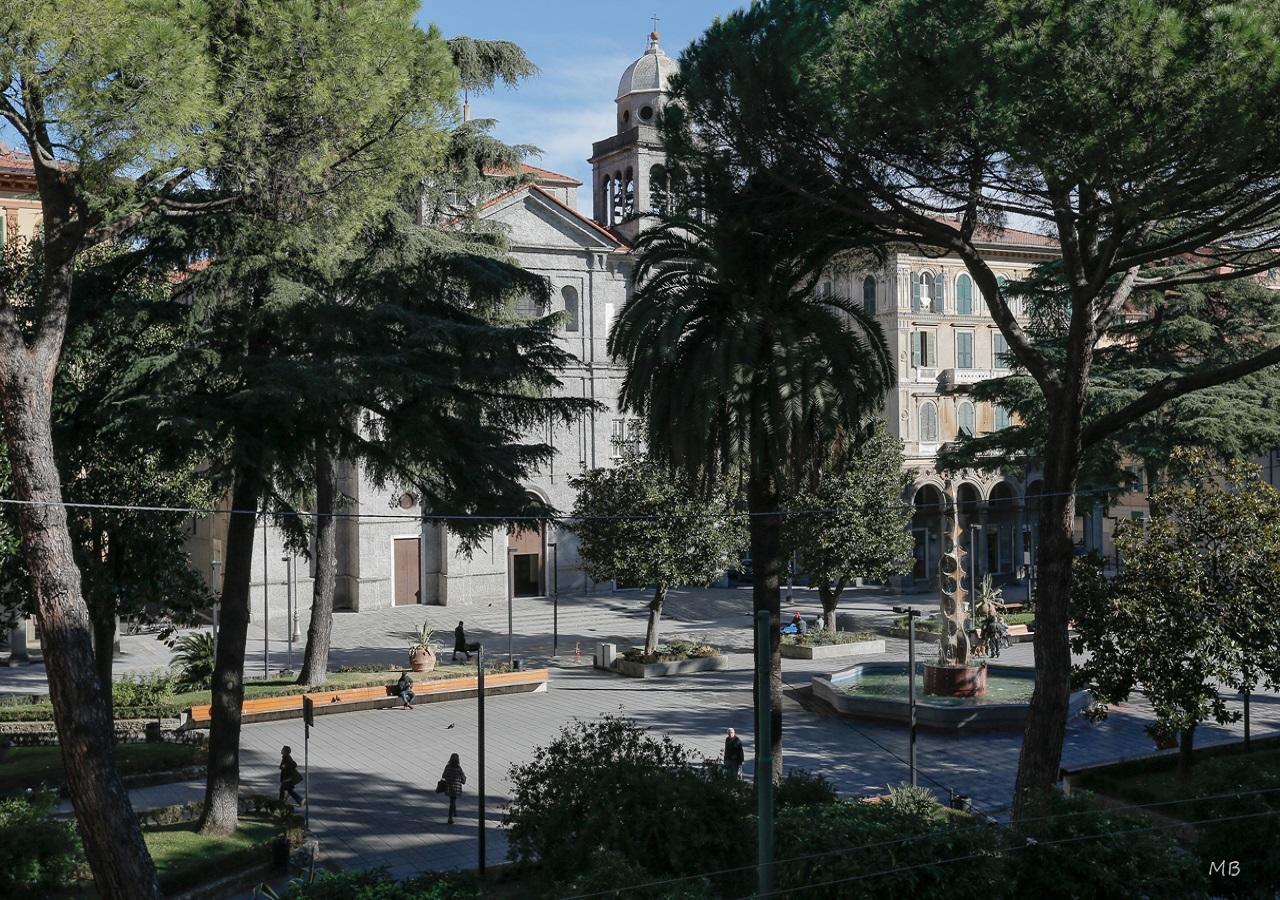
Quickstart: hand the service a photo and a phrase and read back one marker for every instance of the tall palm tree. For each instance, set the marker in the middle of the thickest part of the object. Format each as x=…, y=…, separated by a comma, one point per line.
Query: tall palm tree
x=737, y=361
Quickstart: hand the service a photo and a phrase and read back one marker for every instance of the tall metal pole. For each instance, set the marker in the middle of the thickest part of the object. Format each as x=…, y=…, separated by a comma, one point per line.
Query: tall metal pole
x=266, y=613
x=511, y=593
x=911, y=691
x=480, y=730
x=764, y=756
x=288, y=602
x=555, y=599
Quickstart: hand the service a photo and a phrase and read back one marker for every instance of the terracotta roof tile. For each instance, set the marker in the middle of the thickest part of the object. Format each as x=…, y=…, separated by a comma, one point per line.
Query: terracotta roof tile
x=540, y=176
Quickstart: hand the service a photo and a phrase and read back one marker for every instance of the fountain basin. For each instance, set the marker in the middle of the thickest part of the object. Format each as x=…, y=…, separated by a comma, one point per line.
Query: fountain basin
x=878, y=690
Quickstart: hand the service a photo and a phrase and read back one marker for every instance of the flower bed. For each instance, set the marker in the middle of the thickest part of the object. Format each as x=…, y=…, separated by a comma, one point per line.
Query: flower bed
x=828, y=644
x=675, y=658
x=676, y=651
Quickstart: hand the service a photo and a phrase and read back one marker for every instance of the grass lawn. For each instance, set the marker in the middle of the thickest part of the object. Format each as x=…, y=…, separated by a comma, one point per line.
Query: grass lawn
x=1210, y=775
x=184, y=858
x=174, y=704
x=30, y=766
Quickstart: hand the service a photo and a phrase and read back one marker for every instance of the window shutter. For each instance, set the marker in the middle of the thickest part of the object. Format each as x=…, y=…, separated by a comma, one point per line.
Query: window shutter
x=939, y=292
x=964, y=296
x=926, y=350
x=916, y=341
x=915, y=293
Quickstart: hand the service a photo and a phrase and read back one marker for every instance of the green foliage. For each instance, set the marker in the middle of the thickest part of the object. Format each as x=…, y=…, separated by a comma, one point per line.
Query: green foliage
x=606, y=786
x=192, y=661
x=640, y=523
x=913, y=800
x=862, y=530
x=39, y=852
x=673, y=651
x=801, y=787
x=142, y=691
x=826, y=638
x=377, y=884
x=1195, y=605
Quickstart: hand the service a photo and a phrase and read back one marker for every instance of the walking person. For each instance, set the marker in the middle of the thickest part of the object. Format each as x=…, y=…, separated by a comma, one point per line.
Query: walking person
x=733, y=754
x=404, y=687
x=290, y=777
x=452, y=781
x=460, y=643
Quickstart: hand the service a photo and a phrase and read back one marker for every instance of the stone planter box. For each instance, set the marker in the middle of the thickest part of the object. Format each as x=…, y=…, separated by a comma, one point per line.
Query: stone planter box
x=666, y=669
x=832, y=651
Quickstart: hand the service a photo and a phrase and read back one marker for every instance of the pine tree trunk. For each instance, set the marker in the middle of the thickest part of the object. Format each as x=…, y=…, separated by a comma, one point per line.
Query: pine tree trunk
x=655, y=613
x=104, y=639
x=1040, y=762
x=766, y=579
x=112, y=839
x=221, y=814
x=315, y=661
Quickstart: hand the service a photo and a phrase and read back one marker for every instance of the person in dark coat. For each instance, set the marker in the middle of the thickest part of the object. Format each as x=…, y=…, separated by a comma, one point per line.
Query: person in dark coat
x=460, y=643
x=454, y=778
x=733, y=754
x=404, y=687
x=290, y=777
x=801, y=626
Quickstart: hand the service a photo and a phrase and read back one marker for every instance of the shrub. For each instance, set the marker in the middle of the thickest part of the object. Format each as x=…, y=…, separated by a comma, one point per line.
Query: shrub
x=1108, y=855
x=803, y=788
x=610, y=873
x=38, y=852
x=675, y=651
x=608, y=787
x=146, y=690
x=913, y=800
x=377, y=884
x=193, y=661
x=826, y=638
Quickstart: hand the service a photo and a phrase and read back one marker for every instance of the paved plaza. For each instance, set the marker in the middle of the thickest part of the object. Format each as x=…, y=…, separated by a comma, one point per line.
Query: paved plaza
x=373, y=773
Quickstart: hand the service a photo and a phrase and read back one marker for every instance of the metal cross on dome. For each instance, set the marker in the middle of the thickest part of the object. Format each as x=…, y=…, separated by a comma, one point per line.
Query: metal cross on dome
x=655, y=21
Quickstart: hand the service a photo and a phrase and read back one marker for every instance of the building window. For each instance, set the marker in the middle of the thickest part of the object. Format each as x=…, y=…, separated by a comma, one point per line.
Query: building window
x=939, y=293
x=922, y=350
x=964, y=295
x=964, y=349
x=626, y=436
x=1003, y=419
x=1135, y=479
x=869, y=295
x=658, y=188
x=929, y=423
x=528, y=307
x=965, y=419
x=921, y=292
x=570, y=296
x=999, y=351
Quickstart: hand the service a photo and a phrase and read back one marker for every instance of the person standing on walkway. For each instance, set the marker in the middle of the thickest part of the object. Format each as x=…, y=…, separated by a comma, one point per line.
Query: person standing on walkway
x=404, y=687
x=290, y=777
x=460, y=643
x=733, y=754
x=453, y=779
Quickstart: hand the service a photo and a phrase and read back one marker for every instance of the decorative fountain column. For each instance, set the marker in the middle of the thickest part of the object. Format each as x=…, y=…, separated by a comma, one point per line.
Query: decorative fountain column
x=954, y=675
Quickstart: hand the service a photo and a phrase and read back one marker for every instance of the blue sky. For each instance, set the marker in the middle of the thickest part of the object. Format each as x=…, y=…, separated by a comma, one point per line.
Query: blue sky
x=581, y=49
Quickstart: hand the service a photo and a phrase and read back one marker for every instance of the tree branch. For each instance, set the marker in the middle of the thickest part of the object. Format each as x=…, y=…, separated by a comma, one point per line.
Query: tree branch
x=1170, y=389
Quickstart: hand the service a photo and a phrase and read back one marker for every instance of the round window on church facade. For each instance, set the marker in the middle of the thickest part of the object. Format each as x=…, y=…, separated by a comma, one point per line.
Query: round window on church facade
x=646, y=113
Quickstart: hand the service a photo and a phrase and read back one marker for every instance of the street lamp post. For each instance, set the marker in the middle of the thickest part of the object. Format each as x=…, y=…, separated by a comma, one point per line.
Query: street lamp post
x=215, y=566
x=511, y=593
x=478, y=650
x=266, y=604
x=288, y=602
x=555, y=599
x=912, y=614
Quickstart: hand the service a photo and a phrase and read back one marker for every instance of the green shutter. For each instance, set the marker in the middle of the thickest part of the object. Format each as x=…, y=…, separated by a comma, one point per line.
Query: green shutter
x=964, y=296
x=915, y=292
x=916, y=341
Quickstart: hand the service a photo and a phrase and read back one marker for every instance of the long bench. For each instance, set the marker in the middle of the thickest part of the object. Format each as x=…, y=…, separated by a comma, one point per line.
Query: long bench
x=270, y=709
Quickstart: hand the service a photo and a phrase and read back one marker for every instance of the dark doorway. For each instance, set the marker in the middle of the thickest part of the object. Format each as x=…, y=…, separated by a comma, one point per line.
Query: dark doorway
x=524, y=547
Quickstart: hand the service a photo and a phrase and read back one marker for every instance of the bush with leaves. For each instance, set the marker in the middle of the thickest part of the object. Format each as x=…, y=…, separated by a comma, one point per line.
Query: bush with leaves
x=193, y=661
x=377, y=884
x=803, y=788
x=39, y=853
x=134, y=693
x=606, y=786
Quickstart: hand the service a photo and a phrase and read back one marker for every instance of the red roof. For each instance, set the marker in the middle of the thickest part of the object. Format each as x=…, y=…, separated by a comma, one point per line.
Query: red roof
x=14, y=163
x=1009, y=237
x=540, y=176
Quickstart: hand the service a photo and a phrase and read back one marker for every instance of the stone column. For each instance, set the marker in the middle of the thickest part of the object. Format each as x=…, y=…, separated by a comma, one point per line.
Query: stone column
x=18, y=653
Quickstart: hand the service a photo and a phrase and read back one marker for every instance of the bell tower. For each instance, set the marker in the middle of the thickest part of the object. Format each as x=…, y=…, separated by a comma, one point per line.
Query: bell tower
x=629, y=175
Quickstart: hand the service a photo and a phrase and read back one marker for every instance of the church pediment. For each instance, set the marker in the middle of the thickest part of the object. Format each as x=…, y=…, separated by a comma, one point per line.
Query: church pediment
x=536, y=220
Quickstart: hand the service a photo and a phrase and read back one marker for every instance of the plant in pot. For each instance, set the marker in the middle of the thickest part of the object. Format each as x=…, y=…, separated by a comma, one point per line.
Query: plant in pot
x=422, y=655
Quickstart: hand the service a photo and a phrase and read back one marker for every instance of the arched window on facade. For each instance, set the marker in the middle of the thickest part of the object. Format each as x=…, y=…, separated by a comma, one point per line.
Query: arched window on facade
x=929, y=422
x=1011, y=302
x=629, y=195
x=528, y=307
x=1003, y=419
x=966, y=421
x=570, y=295
x=658, y=189
x=964, y=295
x=921, y=291
x=618, y=209
x=869, y=295
x=939, y=293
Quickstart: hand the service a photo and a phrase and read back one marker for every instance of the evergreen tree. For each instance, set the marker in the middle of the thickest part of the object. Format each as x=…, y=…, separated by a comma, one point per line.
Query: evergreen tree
x=851, y=521
x=1135, y=134
x=638, y=524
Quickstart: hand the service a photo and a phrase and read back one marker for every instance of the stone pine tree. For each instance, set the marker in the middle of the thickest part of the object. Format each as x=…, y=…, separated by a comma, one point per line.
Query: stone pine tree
x=1195, y=605
x=1136, y=135
x=113, y=100
x=850, y=521
x=735, y=359
x=638, y=523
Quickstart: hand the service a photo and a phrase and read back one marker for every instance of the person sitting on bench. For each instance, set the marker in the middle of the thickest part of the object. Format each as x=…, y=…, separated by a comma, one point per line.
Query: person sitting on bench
x=404, y=688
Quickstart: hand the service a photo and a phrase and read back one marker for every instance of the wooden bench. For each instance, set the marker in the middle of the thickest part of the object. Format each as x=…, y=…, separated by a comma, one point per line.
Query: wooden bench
x=270, y=709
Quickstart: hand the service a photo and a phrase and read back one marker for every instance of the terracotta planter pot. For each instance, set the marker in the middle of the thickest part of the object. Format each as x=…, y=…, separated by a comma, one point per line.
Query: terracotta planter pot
x=422, y=659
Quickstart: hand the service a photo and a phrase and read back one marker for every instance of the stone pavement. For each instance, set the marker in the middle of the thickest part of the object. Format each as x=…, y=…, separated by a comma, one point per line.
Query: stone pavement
x=373, y=773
